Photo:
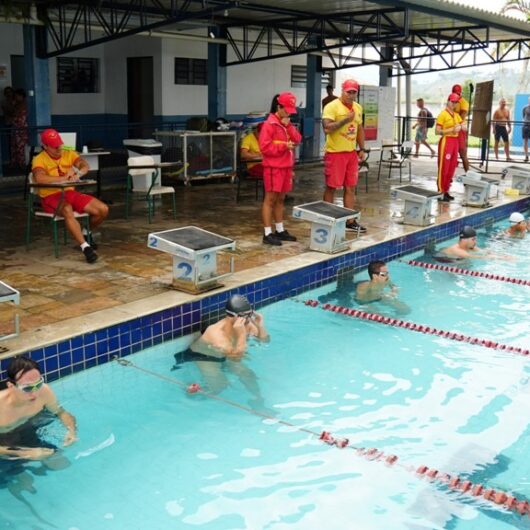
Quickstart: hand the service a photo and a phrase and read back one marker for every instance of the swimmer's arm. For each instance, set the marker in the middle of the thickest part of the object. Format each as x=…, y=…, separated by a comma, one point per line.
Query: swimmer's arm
x=259, y=322
x=67, y=419
x=25, y=453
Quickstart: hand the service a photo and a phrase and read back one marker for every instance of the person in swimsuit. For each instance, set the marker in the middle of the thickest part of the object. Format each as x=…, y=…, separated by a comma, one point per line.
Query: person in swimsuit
x=223, y=344
x=502, y=129
x=26, y=396
x=519, y=226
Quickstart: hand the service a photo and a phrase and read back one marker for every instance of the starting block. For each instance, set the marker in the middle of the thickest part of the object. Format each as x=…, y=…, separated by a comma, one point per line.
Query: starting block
x=419, y=204
x=477, y=189
x=194, y=252
x=520, y=178
x=8, y=294
x=328, y=225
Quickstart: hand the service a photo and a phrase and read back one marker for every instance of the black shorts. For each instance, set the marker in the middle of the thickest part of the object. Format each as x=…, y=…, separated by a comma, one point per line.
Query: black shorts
x=189, y=355
x=526, y=132
x=501, y=133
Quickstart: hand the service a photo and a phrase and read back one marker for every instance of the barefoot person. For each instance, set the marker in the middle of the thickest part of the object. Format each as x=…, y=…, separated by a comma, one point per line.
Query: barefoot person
x=422, y=128
x=502, y=129
x=26, y=396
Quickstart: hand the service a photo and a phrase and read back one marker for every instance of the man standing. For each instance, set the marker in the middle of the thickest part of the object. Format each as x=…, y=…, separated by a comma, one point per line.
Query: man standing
x=462, y=109
x=26, y=396
x=55, y=164
x=526, y=129
x=330, y=97
x=448, y=126
x=502, y=129
x=422, y=128
x=342, y=123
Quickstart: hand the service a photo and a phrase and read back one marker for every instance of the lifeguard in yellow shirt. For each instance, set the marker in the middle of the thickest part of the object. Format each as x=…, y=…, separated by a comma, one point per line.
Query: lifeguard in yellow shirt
x=448, y=126
x=462, y=109
x=342, y=122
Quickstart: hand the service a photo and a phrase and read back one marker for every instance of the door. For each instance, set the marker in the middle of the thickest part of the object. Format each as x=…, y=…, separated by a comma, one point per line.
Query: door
x=140, y=96
x=18, y=79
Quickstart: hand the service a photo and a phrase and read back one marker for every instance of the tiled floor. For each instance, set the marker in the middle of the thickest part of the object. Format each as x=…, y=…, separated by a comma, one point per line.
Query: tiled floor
x=65, y=295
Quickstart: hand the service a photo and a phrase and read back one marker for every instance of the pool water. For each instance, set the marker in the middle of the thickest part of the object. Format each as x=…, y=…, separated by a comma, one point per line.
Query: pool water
x=151, y=456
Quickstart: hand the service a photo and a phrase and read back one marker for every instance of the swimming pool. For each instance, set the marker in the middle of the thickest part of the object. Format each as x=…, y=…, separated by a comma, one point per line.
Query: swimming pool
x=152, y=456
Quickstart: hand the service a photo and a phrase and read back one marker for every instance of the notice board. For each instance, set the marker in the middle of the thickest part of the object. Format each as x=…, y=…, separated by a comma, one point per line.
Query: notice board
x=480, y=126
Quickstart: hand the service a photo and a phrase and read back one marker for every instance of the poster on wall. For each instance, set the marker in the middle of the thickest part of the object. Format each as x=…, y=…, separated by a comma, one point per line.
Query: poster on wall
x=369, y=99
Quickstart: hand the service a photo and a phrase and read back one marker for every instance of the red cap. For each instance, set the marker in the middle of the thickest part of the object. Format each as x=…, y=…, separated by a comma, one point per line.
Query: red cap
x=350, y=84
x=457, y=89
x=288, y=101
x=453, y=97
x=51, y=137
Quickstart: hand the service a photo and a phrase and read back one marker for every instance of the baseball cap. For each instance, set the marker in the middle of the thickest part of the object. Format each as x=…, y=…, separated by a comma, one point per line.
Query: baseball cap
x=453, y=97
x=457, y=89
x=516, y=217
x=288, y=101
x=467, y=232
x=51, y=137
x=350, y=84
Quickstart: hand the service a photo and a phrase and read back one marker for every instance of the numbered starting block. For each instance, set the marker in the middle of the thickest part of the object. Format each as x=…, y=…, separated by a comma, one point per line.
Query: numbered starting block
x=478, y=189
x=328, y=225
x=520, y=178
x=419, y=205
x=8, y=294
x=194, y=252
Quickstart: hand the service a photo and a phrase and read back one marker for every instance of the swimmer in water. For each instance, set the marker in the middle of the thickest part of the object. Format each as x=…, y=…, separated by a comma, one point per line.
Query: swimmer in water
x=519, y=226
x=24, y=398
x=379, y=288
x=466, y=248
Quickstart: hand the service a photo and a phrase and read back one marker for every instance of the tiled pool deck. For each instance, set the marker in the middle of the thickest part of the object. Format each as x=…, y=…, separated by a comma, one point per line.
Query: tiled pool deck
x=74, y=315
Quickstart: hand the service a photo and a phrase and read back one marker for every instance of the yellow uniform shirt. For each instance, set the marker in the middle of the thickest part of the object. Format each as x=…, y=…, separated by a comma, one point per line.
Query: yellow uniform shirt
x=343, y=139
x=462, y=105
x=53, y=167
x=447, y=120
x=251, y=144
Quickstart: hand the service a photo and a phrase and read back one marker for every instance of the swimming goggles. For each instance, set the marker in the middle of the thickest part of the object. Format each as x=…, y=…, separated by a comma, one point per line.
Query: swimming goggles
x=32, y=387
x=383, y=274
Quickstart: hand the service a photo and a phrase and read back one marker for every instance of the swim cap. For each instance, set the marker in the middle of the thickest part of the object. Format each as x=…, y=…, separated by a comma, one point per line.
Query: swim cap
x=467, y=232
x=238, y=305
x=516, y=217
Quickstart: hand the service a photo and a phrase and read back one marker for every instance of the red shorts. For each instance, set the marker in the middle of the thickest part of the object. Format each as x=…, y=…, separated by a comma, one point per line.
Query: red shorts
x=278, y=180
x=462, y=140
x=77, y=200
x=341, y=169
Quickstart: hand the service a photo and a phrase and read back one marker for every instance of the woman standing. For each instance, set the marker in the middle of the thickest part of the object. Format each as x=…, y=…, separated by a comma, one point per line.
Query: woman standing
x=277, y=141
x=19, y=130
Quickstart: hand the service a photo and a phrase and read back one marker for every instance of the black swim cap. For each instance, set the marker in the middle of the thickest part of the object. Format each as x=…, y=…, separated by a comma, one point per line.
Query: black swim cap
x=467, y=232
x=237, y=305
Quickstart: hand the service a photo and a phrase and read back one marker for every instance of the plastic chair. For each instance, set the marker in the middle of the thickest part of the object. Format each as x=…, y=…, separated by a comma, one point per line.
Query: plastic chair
x=244, y=175
x=146, y=181
x=402, y=158
x=33, y=210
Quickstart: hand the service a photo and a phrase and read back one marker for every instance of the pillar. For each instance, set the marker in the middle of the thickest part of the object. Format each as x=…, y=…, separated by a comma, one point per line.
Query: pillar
x=216, y=76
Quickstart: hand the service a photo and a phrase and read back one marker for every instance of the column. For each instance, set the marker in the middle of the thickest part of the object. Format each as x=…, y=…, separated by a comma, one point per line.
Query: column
x=311, y=121
x=216, y=76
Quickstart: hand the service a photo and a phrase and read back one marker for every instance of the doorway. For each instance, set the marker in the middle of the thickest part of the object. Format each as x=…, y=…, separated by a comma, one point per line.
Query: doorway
x=18, y=79
x=140, y=96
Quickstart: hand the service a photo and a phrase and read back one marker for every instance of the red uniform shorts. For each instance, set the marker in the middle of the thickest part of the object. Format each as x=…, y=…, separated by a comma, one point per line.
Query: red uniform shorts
x=462, y=140
x=278, y=180
x=77, y=200
x=341, y=169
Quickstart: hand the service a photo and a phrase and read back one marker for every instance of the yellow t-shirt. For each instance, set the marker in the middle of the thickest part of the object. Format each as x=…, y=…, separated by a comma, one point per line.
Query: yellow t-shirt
x=462, y=105
x=251, y=144
x=446, y=120
x=53, y=167
x=343, y=139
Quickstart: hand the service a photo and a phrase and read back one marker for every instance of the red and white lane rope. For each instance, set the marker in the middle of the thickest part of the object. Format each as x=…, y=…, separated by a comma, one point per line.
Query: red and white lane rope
x=497, y=497
x=412, y=326
x=467, y=272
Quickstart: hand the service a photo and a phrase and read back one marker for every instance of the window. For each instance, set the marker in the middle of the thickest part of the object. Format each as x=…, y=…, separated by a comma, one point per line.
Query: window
x=299, y=77
x=77, y=74
x=191, y=71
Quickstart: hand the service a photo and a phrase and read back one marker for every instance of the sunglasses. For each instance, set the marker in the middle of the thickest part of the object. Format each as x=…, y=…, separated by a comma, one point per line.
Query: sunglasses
x=32, y=387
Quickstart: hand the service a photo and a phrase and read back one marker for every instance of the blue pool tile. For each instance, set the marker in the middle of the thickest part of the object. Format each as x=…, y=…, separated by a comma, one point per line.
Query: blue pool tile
x=37, y=355
x=63, y=372
x=50, y=351
x=90, y=351
x=51, y=364
x=64, y=346
x=89, y=338
x=114, y=343
x=101, y=335
x=65, y=359
x=76, y=342
x=136, y=336
x=78, y=367
x=136, y=347
x=102, y=347
x=89, y=363
x=123, y=352
x=52, y=376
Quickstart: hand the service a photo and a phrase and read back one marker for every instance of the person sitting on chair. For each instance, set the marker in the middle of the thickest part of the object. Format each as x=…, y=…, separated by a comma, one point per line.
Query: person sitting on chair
x=251, y=153
x=55, y=164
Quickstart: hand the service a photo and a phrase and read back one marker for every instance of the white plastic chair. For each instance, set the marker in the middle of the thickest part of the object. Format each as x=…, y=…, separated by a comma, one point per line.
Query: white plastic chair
x=33, y=210
x=146, y=181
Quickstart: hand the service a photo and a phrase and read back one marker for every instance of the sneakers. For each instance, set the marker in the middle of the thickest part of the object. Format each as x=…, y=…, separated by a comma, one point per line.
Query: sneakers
x=450, y=197
x=90, y=255
x=89, y=239
x=271, y=239
x=284, y=236
x=354, y=226
x=446, y=198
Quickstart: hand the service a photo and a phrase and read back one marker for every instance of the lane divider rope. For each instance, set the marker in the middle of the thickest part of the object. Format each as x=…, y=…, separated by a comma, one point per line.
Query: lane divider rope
x=495, y=497
x=467, y=272
x=412, y=326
